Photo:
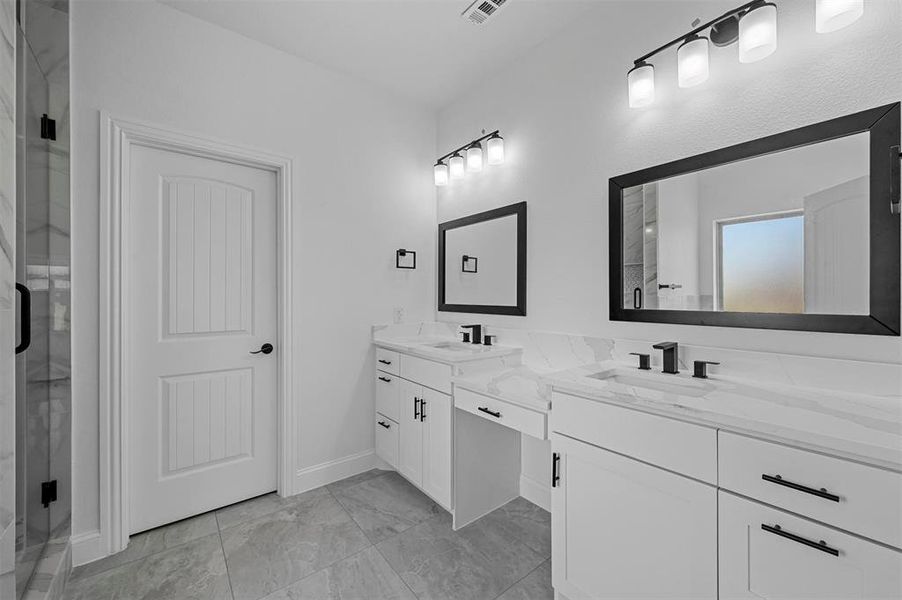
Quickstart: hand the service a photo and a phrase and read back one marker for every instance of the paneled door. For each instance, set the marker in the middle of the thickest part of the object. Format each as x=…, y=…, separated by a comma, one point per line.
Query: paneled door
x=201, y=285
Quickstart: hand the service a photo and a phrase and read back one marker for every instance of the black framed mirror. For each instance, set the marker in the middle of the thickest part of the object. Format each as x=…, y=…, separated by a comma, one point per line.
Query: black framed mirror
x=482, y=262
x=798, y=231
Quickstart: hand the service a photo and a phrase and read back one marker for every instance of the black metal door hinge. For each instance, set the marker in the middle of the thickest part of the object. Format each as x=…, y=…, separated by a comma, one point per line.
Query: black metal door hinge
x=48, y=128
x=48, y=492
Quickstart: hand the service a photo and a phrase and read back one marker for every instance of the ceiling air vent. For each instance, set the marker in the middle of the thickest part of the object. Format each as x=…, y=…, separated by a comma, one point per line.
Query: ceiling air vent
x=478, y=12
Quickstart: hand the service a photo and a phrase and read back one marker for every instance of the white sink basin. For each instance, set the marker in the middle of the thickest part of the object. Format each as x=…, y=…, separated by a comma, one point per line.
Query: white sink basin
x=459, y=347
x=659, y=382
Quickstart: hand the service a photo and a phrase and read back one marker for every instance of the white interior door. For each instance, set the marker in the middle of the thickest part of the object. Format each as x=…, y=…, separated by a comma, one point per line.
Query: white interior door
x=201, y=285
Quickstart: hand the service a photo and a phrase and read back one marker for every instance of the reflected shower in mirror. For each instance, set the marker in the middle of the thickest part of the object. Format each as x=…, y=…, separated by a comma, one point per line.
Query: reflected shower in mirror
x=786, y=232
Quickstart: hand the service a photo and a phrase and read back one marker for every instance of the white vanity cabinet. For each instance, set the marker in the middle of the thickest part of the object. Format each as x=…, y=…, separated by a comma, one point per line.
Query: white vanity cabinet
x=413, y=420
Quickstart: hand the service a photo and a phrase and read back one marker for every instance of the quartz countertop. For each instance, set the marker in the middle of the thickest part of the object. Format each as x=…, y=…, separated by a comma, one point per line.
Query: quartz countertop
x=857, y=427
x=520, y=385
x=423, y=347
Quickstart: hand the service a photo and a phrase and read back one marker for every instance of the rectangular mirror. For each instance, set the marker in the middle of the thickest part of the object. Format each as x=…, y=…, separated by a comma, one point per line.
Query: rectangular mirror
x=793, y=231
x=482, y=262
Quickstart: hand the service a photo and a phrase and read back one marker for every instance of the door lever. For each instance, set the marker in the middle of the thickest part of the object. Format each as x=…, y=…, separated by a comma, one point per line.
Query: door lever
x=25, y=319
x=265, y=349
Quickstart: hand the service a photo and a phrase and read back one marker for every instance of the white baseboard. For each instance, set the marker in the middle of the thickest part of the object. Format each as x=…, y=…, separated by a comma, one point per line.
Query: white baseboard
x=86, y=547
x=537, y=493
x=329, y=472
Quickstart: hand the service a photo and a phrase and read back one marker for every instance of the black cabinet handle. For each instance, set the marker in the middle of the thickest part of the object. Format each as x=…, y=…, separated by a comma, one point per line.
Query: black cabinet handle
x=416, y=408
x=422, y=410
x=265, y=349
x=25, y=333
x=555, y=469
x=821, y=493
x=385, y=362
x=486, y=410
x=385, y=379
x=384, y=424
x=895, y=196
x=821, y=545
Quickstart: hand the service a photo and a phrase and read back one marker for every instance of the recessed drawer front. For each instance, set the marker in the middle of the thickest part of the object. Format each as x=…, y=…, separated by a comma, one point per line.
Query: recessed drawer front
x=861, y=499
x=504, y=413
x=682, y=447
x=387, y=440
x=426, y=372
x=388, y=395
x=387, y=360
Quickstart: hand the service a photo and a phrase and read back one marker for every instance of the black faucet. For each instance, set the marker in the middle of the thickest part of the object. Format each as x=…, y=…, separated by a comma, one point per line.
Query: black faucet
x=477, y=333
x=671, y=356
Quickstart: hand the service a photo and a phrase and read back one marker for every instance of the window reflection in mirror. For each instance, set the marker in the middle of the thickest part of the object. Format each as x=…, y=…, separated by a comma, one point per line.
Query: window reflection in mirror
x=781, y=233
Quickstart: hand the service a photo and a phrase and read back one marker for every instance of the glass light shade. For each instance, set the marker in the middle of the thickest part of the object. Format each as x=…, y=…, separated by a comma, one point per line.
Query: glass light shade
x=692, y=62
x=641, y=80
x=456, y=164
x=830, y=15
x=440, y=172
x=474, y=158
x=495, y=150
x=758, y=33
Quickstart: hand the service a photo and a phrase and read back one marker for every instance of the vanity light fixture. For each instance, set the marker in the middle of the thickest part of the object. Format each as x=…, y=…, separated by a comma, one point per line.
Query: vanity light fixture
x=831, y=15
x=758, y=33
x=641, y=80
x=692, y=61
x=469, y=158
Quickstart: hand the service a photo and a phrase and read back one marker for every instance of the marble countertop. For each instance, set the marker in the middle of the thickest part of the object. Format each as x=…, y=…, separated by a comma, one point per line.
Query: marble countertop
x=423, y=347
x=857, y=427
x=520, y=385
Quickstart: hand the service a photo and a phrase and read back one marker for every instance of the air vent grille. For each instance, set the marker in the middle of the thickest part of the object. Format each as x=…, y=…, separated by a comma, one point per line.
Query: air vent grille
x=478, y=12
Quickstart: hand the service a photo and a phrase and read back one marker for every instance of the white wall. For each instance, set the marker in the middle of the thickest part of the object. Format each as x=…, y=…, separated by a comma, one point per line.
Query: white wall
x=563, y=112
x=362, y=188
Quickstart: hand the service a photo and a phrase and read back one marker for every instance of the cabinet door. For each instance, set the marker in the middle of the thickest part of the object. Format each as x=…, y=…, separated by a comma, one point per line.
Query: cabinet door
x=767, y=553
x=625, y=529
x=436, y=418
x=410, y=458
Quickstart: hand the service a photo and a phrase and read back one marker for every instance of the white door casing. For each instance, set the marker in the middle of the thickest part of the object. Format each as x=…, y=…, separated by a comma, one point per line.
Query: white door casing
x=203, y=418
x=119, y=140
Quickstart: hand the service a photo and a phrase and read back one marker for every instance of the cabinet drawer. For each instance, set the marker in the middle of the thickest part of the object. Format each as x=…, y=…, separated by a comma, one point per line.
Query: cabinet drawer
x=388, y=395
x=387, y=360
x=426, y=372
x=387, y=440
x=767, y=553
x=675, y=445
x=510, y=415
x=861, y=499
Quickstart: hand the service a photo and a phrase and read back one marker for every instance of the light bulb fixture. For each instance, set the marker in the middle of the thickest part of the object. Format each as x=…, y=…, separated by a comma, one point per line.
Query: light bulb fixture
x=469, y=157
x=456, y=163
x=692, y=61
x=641, y=80
x=753, y=25
x=474, y=158
x=440, y=172
x=495, y=149
x=830, y=15
x=758, y=33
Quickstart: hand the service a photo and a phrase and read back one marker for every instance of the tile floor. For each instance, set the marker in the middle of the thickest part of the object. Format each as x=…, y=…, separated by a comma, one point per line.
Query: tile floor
x=372, y=536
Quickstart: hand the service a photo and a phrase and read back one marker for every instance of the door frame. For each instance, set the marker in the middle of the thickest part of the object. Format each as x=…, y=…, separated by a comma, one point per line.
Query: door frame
x=117, y=139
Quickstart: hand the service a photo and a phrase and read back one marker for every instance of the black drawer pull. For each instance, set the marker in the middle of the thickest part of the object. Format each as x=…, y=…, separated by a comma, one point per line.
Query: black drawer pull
x=385, y=379
x=555, y=464
x=384, y=362
x=384, y=424
x=486, y=410
x=821, y=493
x=822, y=545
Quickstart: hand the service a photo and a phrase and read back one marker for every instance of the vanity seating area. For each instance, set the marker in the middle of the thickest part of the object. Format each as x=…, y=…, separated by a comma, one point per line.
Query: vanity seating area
x=726, y=484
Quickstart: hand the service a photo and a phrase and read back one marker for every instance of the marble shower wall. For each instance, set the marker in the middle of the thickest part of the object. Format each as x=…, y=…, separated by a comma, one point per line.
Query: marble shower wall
x=7, y=298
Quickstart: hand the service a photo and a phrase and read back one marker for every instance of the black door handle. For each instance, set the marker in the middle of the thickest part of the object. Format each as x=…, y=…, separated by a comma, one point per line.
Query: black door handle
x=822, y=545
x=422, y=410
x=637, y=298
x=821, y=493
x=265, y=349
x=555, y=465
x=25, y=333
x=486, y=410
x=416, y=408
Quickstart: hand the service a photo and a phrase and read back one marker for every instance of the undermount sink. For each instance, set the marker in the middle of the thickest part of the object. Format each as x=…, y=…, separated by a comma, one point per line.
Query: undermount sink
x=659, y=382
x=458, y=347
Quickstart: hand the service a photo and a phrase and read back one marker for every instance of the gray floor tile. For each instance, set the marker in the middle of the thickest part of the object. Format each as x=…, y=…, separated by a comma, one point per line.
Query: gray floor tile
x=151, y=542
x=438, y=563
x=535, y=586
x=273, y=551
x=355, y=479
x=520, y=521
x=363, y=576
x=385, y=506
x=195, y=570
x=257, y=507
